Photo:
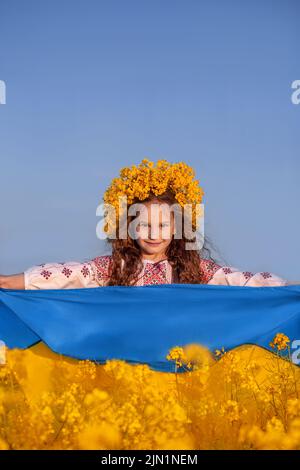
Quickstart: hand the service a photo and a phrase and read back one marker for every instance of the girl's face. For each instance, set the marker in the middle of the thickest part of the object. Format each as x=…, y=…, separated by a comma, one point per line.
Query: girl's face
x=155, y=228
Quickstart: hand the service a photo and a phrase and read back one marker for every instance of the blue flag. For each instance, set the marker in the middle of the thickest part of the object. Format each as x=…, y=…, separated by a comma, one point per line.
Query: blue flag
x=140, y=324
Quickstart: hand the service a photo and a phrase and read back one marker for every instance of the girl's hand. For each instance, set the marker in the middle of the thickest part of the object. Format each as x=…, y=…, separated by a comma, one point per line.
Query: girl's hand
x=14, y=281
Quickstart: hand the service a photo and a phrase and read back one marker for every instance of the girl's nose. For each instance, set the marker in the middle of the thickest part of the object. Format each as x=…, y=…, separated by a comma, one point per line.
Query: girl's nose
x=154, y=232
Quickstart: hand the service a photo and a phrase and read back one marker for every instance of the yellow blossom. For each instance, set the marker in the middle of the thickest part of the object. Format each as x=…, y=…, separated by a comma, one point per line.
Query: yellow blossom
x=280, y=342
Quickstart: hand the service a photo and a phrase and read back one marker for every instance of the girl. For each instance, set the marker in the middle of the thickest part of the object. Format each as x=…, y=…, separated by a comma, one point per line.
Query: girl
x=145, y=259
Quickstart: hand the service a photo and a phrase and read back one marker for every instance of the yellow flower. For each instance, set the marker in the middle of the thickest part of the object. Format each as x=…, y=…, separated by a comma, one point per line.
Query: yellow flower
x=177, y=355
x=219, y=353
x=280, y=342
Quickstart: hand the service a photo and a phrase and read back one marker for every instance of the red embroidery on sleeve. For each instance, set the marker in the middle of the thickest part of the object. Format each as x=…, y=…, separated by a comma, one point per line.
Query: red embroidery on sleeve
x=266, y=275
x=208, y=268
x=67, y=272
x=248, y=274
x=85, y=271
x=227, y=270
x=46, y=274
x=103, y=264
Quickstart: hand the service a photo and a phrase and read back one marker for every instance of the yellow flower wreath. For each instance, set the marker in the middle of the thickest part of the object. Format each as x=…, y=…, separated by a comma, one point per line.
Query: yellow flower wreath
x=141, y=180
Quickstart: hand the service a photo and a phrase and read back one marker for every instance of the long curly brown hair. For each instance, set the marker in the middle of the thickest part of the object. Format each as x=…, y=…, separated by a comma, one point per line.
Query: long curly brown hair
x=185, y=263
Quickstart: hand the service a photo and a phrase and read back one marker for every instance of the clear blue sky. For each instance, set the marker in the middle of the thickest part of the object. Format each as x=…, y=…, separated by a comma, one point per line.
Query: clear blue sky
x=96, y=85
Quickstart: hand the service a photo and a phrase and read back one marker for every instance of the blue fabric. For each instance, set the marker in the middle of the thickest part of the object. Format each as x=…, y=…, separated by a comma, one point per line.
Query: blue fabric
x=140, y=324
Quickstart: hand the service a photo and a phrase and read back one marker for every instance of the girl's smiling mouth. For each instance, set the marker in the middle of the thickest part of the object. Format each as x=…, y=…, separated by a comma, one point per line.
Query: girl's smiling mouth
x=153, y=243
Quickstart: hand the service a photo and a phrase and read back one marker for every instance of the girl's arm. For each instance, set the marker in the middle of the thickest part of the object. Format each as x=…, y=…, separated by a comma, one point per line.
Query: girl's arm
x=68, y=275
x=13, y=281
x=232, y=276
x=229, y=275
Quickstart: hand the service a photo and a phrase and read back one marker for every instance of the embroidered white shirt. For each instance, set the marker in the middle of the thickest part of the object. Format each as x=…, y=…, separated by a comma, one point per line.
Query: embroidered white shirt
x=95, y=273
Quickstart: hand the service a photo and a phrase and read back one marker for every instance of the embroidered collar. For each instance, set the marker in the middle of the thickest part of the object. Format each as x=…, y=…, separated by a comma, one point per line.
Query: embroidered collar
x=146, y=261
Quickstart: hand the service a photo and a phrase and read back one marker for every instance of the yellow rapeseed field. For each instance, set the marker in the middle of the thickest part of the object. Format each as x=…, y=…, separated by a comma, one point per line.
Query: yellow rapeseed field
x=247, y=398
